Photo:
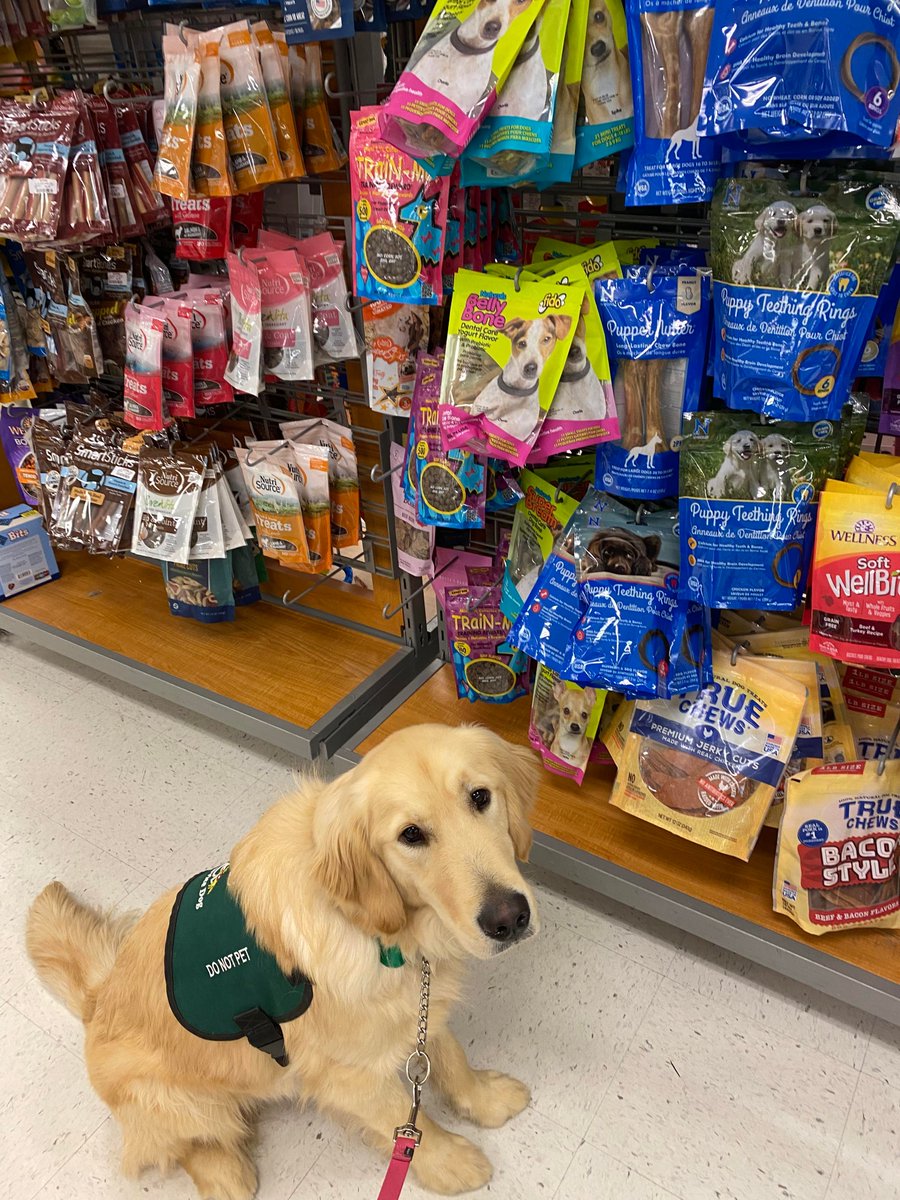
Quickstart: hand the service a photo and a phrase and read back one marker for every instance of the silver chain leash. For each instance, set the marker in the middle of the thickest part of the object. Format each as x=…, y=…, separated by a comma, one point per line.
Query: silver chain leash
x=418, y=1065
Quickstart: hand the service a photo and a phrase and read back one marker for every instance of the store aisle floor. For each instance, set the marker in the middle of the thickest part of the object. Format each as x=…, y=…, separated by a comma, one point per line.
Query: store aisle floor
x=662, y=1069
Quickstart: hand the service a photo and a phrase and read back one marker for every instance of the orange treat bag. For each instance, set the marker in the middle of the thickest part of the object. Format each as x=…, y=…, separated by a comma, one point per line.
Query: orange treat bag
x=172, y=174
x=252, y=147
x=279, y=99
x=321, y=149
x=315, y=501
x=211, y=168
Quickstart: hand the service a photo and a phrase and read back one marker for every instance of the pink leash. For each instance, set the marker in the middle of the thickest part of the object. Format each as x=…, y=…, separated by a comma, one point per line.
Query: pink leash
x=407, y=1137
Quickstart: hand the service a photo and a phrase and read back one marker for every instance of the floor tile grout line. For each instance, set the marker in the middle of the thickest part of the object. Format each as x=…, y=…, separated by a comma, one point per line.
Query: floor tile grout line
x=45, y=1032
x=312, y=1165
x=68, y=1159
x=667, y=1192
x=840, y=1142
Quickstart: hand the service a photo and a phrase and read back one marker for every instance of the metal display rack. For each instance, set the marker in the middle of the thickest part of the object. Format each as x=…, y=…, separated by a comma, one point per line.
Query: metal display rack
x=347, y=667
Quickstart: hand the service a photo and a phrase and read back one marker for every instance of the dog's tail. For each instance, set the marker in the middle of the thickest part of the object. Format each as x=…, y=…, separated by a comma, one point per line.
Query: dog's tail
x=73, y=947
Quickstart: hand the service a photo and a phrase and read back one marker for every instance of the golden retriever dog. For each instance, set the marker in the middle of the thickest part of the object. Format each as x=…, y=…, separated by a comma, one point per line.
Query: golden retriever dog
x=415, y=847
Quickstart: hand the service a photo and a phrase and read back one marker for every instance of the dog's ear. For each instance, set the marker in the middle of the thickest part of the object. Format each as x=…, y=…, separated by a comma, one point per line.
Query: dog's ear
x=559, y=690
x=349, y=869
x=653, y=545
x=513, y=328
x=521, y=772
x=560, y=325
x=760, y=219
x=589, y=696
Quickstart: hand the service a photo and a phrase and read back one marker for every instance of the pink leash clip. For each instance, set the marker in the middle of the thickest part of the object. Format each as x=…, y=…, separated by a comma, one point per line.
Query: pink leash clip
x=406, y=1139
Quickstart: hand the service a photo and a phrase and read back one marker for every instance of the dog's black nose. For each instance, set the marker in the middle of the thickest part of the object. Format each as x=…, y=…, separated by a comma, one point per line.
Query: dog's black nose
x=599, y=49
x=530, y=370
x=491, y=29
x=574, y=728
x=504, y=916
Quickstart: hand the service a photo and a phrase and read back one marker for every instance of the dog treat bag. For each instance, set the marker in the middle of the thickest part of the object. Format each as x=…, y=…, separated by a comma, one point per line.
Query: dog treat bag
x=486, y=666
x=539, y=519
x=168, y=493
x=415, y=541
x=15, y=425
x=209, y=345
x=172, y=174
x=143, y=402
x=507, y=347
x=747, y=507
x=559, y=163
x=399, y=219
x=394, y=333
x=606, y=108
x=564, y=723
x=878, y=335
x=803, y=69
x=670, y=163
x=656, y=327
x=838, y=852
x=343, y=474
x=249, y=133
x=202, y=227
x=244, y=370
x=286, y=313
x=201, y=590
x=277, y=95
x=275, y=505
x=796, y=282
x=210, y=161
x=462, y=59
x=706, y=767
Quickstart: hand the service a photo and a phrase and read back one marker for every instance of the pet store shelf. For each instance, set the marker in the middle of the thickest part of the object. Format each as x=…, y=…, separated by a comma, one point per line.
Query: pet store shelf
x=282, y=675
x=582, y=837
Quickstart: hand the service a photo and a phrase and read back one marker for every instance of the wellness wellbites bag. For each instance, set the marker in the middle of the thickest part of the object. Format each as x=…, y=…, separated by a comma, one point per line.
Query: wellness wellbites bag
x=798, y=69
x=506, y=349
x=450, y=83
x=706, y=767
x=838, y=852
x=796, y=282
x=656, y=324
x=670, y=162
x=747, y=507
x=606, y=112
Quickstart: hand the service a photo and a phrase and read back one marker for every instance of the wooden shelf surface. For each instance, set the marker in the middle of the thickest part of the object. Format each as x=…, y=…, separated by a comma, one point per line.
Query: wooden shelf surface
x=283, y=663
x=583, y=818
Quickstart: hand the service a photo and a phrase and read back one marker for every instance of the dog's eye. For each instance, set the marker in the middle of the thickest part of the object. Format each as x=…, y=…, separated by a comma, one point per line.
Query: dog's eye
x=412, y=835
x=567, y=711
x=522, y=344
x=480, y=798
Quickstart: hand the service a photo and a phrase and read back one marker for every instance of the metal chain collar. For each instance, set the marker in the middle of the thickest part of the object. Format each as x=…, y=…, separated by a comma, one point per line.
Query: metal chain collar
x=418, y=1065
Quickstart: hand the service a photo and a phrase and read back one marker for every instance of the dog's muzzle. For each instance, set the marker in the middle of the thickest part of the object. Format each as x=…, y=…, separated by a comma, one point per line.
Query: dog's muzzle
x=505, y=916
x=600, y=51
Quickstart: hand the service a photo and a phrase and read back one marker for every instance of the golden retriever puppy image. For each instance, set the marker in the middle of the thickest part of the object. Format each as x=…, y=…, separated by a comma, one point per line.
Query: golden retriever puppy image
x=343, y=886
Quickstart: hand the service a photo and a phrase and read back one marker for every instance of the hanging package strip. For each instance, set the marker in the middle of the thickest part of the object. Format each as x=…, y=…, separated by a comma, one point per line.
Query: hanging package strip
x=540, y=517
x=796, y=282
x=560, y=161
x=606, y=111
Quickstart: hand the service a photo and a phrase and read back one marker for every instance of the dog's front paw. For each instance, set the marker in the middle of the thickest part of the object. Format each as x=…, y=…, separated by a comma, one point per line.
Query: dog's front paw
x=450, y=1164
x=496, y=1098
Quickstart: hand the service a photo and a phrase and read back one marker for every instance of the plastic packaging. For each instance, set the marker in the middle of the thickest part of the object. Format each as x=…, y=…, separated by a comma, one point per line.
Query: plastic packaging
x=252, y=147
x=564, y=722
x=143, y=402
x=244, y=370
x=202, y=227
x=277, y=94
x=169, y=483
x=34, y=151
x=172, y=173
x=287, y=334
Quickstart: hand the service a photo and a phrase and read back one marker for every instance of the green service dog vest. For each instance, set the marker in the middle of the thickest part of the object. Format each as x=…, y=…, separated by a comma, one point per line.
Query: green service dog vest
x=222, y=985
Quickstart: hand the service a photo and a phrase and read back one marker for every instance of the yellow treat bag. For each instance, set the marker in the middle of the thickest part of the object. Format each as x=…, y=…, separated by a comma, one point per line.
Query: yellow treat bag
x=837, y=861
x=252, y=146
x=279, y=99
x=172, y=173
x=321, y=150
x=211, y=167
x=706, y=766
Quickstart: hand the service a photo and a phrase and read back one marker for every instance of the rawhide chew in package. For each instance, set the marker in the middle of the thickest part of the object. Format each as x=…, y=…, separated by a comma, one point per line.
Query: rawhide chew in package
x=706, y=767
x=839, y=848
x=168, y=493
x=636, y=635
x=804, y=68
x=670, y=163
x=507, y=346
x=462, y=59
x=656, y=325
x=748, y=506
x=394, y=333
x=35, y=144
x=606, y=111
x=172, y=174
x=399, y=219
x=486, y=666
x=539, y=519
x=796, y=283
x=564, y=723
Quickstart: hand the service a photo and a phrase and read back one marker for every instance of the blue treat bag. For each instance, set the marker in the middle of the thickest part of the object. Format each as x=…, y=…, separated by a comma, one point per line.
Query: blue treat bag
x=878, y=335
x=656, y=326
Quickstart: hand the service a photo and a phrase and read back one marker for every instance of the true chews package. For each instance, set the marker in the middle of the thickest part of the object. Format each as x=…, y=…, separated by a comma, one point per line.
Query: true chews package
x=804, y=67
x=656, y=326
x=747, y=507
x=26, y=556
x=796, y=282
x=461, y=61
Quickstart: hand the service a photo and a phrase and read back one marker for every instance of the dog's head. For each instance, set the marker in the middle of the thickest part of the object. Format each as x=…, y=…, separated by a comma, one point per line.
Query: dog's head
x=575, y=706
x=425, y=832
x=816, y=223
x=623, y=552
x=575, y=359
x=532, y=345
x=777, y=450
x=484, y=27
x=600, y=43
x=742, y=447
x=777, y=219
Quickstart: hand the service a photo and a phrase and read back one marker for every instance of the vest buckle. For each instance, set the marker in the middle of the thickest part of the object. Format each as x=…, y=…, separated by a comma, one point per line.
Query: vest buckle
x=262, y=1033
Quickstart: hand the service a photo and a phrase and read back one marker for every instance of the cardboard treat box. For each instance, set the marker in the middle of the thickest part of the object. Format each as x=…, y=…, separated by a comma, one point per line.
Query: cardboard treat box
x=26, y=556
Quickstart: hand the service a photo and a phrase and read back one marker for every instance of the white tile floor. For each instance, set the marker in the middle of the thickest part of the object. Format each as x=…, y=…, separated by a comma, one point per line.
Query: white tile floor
x=662, y=1069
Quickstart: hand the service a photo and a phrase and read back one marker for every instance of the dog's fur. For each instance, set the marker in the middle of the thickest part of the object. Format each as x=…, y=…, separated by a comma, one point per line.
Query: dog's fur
x=577, y=399
x=647, y=451
x=573, y=711
x=771, y=250
x=527, y=91
x=605, y=78
x=532, y=344
x=320, y=877
x=775, y=467
x=816, y=227
x=738, y=476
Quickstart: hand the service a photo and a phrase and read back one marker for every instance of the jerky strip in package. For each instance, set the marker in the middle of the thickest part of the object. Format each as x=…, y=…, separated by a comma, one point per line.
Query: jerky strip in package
x=706, y=767
x=564, y=723
x=169, y=483
x=49, y=448
x=415, y=540
x=839, y=848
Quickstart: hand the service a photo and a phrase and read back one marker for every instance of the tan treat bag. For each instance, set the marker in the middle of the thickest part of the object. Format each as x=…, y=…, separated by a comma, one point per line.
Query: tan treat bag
x=837, y=862
x=706, y=766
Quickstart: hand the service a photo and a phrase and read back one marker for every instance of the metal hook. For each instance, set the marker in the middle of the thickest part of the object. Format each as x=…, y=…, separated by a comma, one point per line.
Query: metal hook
x=356, y=303
x=376, y=478
x=891, y=493
x=285, y=600
x=388, y=613
x=517, y=277
x=737, y=650
x=639, y=515
x=215, y=425
x=254, y=462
